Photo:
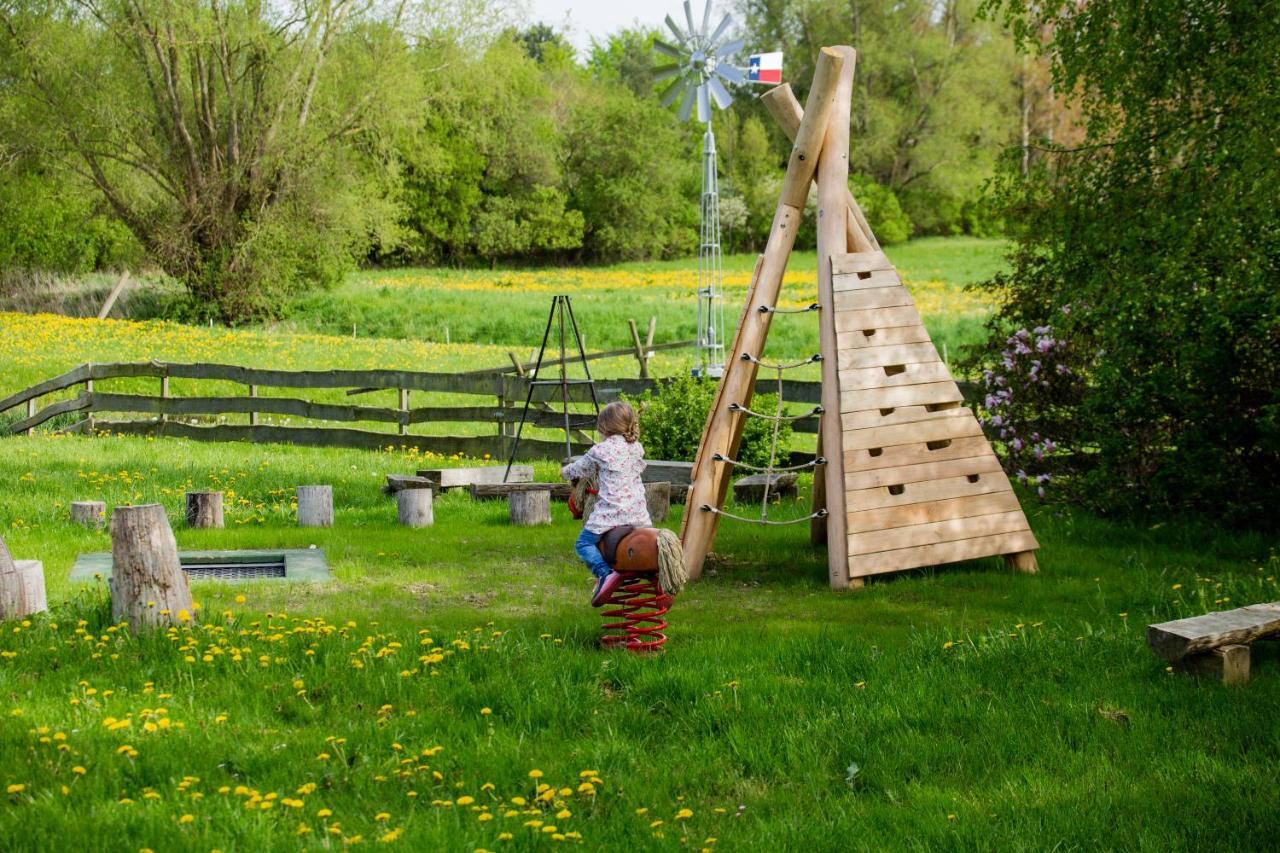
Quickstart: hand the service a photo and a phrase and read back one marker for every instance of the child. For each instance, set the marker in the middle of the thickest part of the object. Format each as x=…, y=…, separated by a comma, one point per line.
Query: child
x=615, y=463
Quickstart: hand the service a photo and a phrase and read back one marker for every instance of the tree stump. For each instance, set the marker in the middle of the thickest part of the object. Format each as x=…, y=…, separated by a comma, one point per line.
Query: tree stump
x=657, y=497
x=315, y=506
x=204, y=509
x=530, y=508
x=414, y=507
x=21, y=586
x=148, y=586
x=89, y=513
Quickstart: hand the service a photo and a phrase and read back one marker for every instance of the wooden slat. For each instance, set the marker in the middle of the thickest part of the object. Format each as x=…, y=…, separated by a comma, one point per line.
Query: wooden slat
x=907, y=515
x=875, y=377
x=908, y=474
x=883, y=337
x=900, y=395
x=863, y=565
x=57, y=383
x=1175, y=640
x=866, y=280
x=864, y=357
x=937, y=532
x=877, y=318
x=521, y=369
x=935, y=429
x=76, y=404
x=928, y=490
x=854, y=262
x=899, y=415
x=877, y=298
x=917, y=453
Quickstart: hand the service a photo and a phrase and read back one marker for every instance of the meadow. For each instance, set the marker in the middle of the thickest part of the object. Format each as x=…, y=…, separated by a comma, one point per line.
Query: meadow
x=444, y=689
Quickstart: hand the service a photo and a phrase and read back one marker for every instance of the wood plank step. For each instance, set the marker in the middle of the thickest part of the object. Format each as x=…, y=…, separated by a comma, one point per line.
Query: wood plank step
x=882, y=337
x=1182, y=637
x=905, y=475
x=903, y=395
x=877, y=318
x=937, y=532
x=853, y=262
x=928, y=490
x=875, y=377
x=866, y=280
x=500, y=491
x=876, y=297
x=887, y=518
x=896, y=456
x=452, y=478
x=946, y=552
x=898, y=415
x=899, y=354
x=934, y=429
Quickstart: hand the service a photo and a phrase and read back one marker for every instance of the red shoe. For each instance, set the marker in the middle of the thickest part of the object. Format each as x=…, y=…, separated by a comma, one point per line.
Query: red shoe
x=605, y=589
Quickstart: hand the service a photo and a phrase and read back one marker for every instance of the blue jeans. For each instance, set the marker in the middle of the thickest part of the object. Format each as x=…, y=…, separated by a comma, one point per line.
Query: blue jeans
x=590, y=554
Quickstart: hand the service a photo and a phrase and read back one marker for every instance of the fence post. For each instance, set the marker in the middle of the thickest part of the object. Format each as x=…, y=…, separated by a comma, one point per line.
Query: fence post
x=641, y=357
x=253, y=416
x=88, y=388
x=31, y=413
x=404, y=407
x=164, y=395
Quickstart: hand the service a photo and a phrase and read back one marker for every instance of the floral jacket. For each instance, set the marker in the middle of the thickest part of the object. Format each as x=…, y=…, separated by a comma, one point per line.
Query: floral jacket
x=616, y=467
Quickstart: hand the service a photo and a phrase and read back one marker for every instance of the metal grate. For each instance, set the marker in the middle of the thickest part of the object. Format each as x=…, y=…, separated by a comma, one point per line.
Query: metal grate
x=235, y=571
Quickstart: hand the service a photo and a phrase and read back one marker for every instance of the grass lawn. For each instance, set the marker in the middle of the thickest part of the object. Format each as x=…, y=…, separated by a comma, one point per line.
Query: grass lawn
x=428, y=692
x=413, y=697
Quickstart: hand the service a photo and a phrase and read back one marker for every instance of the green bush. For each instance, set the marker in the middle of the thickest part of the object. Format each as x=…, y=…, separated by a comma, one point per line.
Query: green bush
x=671, y=423
x=888, y=221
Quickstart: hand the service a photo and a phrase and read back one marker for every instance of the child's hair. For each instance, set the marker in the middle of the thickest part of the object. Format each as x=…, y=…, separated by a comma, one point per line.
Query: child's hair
x=619, y=419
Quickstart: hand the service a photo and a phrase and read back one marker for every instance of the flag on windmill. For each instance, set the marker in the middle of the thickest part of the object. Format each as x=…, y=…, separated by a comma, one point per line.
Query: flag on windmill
x=765, y=68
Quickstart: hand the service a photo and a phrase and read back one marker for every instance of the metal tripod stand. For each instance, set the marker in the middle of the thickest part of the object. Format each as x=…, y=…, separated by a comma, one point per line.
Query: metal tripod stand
x=561, y=310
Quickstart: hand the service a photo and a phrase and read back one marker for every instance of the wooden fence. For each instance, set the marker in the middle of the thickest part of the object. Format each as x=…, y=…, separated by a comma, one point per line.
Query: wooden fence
x=164, y=413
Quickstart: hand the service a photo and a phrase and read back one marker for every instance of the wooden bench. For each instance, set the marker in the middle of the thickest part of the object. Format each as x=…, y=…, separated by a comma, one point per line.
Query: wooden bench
x=455, y=478
x=1215, y=644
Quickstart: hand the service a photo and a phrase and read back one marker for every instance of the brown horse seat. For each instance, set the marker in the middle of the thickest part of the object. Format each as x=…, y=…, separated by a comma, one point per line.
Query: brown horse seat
x=631, y=549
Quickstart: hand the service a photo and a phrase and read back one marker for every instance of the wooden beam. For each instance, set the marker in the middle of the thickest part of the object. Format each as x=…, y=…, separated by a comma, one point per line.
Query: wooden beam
x=785, y=109
x=724, y=425
x=113, y=296
x=833, y=238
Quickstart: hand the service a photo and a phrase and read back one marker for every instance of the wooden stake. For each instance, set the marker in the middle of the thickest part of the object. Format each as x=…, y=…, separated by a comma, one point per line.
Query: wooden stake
x=724, y=427
x=148, y=586
x=404, y=407
x=640, y=350
x=113, y=295
x=833, y=225
x=253, y=416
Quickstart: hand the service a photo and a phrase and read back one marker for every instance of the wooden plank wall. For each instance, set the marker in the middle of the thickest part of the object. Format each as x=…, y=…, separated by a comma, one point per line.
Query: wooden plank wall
x=922, y=484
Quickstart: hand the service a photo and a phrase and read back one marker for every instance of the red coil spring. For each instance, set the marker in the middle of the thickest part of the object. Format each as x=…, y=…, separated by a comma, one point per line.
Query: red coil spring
x=634, y=614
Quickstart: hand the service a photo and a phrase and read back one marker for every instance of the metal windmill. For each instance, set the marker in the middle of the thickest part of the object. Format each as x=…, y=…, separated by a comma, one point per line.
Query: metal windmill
x=701, y=68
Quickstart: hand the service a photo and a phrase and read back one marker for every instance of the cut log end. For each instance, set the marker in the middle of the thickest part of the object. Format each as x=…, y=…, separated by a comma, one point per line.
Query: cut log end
x=529, y=509
x=1230, y=664
x=315, y=506
x=657, y=498
x=22, y=590
x=414, y=507
x=204, y=509
x=89, y=513
x=148, y=586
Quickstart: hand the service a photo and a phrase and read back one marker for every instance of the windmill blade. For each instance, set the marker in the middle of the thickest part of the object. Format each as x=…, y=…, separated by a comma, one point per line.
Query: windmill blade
x=704, y=104
x=719, y=93
x=666, y=72
x=671, y=25
x=731, y=74
x=672, y=92
x=729, y=48
x=688, y=16
x=670, y=50
x=686, y=106
x=706, y=19
x=724, y=25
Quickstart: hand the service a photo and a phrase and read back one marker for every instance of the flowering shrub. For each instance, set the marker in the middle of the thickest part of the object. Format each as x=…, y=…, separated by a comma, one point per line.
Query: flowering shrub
x=1027, y=402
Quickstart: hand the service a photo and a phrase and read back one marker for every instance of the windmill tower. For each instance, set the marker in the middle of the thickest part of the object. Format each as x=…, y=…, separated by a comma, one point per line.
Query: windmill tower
x=701, y=67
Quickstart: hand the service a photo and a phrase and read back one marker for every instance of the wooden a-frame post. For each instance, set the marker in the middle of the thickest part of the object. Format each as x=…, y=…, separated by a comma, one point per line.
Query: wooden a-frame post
x=723, y=432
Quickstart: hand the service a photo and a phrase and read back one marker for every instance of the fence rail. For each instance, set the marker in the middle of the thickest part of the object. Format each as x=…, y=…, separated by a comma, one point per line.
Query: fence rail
x=508, y=391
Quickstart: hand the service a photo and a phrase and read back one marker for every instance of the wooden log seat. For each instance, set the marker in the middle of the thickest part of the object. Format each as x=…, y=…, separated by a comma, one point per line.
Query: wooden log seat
x=1215, y=644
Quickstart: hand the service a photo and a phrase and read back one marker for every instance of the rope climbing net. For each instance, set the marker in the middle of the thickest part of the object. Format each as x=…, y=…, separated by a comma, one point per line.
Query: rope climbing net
x=778, y=417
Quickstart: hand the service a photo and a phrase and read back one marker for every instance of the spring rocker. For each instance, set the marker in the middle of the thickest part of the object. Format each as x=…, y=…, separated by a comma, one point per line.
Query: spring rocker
x=652, y=568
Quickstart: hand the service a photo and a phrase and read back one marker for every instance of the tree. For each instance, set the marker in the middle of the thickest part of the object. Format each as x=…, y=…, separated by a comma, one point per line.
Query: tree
x=1152, y=251
x=240, y=142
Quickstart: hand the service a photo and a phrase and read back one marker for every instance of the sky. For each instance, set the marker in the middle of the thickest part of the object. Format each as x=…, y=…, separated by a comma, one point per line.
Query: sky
x=599, y=18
